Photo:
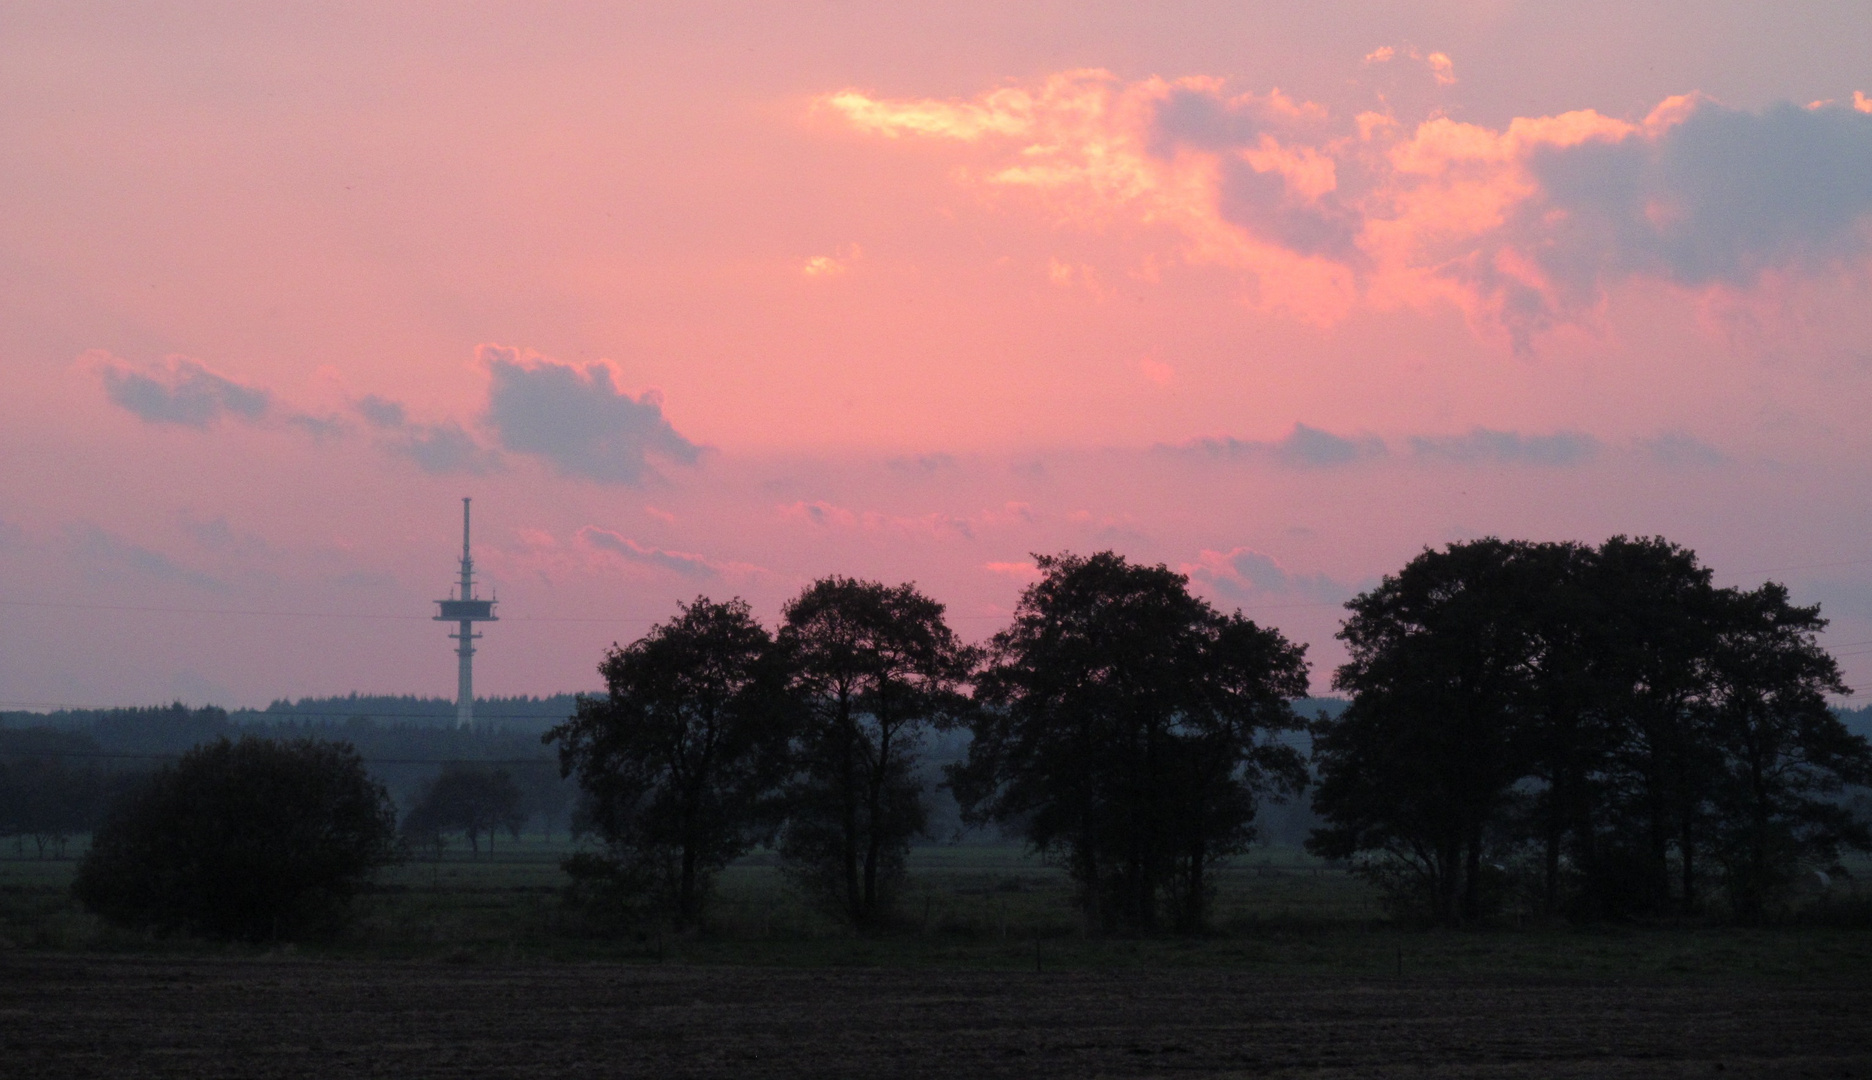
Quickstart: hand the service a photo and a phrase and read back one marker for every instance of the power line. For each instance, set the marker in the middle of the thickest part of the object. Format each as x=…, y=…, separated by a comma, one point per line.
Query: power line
x=152, y=609
x=248, y=715
x=144, y=756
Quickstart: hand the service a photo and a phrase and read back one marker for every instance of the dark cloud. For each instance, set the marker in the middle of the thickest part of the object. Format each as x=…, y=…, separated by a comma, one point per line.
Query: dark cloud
x=1304, y=447
x=1245, y=574
x=108, y=555
x=319, y=427
x=442, y=449
x=216, y=535
x=1718, y=197
x=921, y=464
x=381, y=412
x=1484, y=445
x=1678, y=450
x=1253, y=194
x=180, y=391
x=1264, y=203
x=578, y=420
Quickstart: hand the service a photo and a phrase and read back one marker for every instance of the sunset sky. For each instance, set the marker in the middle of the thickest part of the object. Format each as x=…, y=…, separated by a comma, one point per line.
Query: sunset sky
x=719, y=298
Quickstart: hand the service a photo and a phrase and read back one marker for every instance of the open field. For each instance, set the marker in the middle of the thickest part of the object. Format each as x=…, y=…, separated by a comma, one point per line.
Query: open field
x=69, y=1016
x=476, y=967
x=967, y=907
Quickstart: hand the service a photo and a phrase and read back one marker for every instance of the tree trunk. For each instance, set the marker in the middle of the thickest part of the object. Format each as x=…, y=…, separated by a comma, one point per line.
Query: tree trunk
x=874, y=798
x=1472, y=879
x=1689, y=867
x=686, y=892
x=848, y=785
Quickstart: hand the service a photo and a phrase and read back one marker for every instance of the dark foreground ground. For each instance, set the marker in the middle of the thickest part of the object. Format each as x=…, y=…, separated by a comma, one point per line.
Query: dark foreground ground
x=89, y=1016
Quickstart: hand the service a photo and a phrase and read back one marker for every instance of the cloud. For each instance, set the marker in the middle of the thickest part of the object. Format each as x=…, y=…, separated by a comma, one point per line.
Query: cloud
x=830, y=266
x=1705, y=195
x=1484, y=445
x=825, y=515
x=1521, y=227
x=216, y=535
x=111, y=556
x=179, y=391
x=1245, y=574
x=681, y=563
x=821, y=513
x=921, y=464
x=1441, y=69
x=1678, y=450
x=442, y=449
x=1303, y=448
x=1019, y=571
x=577, y=419
x=319, y=427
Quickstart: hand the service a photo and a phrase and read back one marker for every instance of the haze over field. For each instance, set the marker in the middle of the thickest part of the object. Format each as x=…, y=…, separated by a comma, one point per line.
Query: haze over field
x=725, y=298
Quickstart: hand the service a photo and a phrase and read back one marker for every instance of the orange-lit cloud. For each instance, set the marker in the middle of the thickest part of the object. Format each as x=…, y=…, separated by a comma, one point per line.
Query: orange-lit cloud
x=1521, y=227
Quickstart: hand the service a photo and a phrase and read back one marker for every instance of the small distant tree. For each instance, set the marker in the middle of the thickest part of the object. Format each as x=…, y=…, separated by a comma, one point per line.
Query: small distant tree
x=874, y=666
x=681, y=759
x=545, y=794
x=250, y=840
x=49, y=790
x=472, y=800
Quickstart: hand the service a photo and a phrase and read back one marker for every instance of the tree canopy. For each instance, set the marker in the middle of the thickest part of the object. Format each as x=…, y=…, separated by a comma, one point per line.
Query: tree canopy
x=473, y=800
x=1124, y=727
x=682, y=758
x=872, y=667
x=1609, y=712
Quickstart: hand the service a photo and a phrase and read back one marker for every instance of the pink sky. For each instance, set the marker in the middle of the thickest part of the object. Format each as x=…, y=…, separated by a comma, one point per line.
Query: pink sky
x=720, y=301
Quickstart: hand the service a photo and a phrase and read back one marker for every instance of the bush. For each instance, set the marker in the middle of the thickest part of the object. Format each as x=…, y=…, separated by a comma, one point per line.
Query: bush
x=252, y=840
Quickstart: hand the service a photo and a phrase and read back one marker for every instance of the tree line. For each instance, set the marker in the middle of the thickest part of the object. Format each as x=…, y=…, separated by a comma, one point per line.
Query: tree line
x=1602, y=725
x=59, y=772
x=1600, y=728
x=1120, y=724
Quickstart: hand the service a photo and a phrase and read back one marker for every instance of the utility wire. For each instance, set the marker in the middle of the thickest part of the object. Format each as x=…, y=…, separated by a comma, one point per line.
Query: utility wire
x=141, y=756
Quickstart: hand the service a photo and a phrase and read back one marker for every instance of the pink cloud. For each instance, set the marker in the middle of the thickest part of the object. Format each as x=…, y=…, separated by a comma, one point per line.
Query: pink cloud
x=682, y=563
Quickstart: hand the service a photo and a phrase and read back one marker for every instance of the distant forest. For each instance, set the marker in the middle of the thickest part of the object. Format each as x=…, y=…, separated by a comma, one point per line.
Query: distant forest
x=406, y=741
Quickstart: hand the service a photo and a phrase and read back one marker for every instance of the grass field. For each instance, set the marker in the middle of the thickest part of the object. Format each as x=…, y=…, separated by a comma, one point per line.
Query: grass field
x=476, y=967
x=966, y=906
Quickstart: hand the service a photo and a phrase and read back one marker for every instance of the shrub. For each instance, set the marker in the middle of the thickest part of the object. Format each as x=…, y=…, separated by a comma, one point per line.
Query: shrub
x=251, y=840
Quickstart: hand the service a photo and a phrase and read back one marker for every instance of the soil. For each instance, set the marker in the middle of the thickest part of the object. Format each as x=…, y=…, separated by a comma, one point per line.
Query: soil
x=64, y=1016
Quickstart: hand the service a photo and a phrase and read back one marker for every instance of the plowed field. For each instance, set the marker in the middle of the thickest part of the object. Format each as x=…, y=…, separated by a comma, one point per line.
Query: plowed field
x=66, y=1016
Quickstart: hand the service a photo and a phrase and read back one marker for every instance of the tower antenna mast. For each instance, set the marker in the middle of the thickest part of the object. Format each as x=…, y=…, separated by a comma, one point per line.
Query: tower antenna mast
x=465, y=610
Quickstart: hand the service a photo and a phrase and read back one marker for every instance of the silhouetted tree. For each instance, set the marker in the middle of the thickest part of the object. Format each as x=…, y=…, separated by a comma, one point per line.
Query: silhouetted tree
x=1653, y=643
x=1420, y=767
x=873, y=666
x=1611, y=706
x=1784, y=757
x=469, y=799
x=681, y=761
x=1123, y=727
x=253, y=840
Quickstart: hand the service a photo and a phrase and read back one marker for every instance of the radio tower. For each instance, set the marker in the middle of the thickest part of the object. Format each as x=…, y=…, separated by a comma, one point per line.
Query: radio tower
x=465, y=610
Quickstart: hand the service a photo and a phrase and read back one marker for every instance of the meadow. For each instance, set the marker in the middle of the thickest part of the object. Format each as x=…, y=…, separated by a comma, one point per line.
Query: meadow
x=980, y=906
x=476, y=966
